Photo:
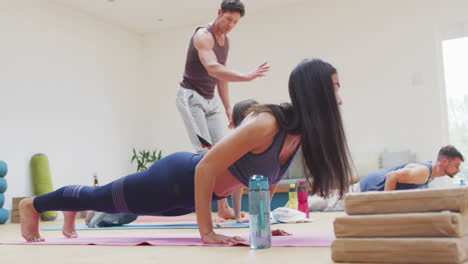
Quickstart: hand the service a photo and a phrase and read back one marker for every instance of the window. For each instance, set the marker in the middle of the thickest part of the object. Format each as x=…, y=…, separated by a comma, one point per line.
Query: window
x=455, y=56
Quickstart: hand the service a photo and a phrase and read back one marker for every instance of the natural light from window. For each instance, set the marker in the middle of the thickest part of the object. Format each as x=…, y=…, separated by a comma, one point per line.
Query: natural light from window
x=455, y=53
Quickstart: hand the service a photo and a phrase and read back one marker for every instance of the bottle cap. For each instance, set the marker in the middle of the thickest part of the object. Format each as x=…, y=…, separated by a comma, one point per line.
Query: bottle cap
x=258, y=182
x=292, y=187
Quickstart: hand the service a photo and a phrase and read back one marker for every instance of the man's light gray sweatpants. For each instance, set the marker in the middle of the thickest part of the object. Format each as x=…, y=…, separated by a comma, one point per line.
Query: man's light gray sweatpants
x=201, y=117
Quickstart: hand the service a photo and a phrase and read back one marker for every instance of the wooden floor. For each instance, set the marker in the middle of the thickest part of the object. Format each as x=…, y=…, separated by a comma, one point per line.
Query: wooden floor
x=164, y=254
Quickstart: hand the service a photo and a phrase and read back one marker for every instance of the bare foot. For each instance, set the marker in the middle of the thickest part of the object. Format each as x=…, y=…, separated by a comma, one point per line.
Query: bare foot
x=226, y=213
x=89, y=217
x=29, y=219
x=68, y=229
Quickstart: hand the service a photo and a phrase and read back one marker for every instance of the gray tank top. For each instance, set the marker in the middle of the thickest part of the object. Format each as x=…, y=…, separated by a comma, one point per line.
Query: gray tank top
x=195, y=75
x=266, y=163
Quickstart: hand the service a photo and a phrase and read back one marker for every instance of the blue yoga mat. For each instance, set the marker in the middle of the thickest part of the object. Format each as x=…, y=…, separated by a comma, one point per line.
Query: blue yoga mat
x=153, y=226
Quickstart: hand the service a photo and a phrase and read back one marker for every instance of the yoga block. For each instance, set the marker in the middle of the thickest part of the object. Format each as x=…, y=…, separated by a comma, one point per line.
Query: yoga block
x=15, y=217
x=407, y=201
x=443, y=224
x=15, y=202
x=400, y=250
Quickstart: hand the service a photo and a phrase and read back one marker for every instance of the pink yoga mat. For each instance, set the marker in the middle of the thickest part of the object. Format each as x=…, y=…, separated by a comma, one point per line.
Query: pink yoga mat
x=296, y=240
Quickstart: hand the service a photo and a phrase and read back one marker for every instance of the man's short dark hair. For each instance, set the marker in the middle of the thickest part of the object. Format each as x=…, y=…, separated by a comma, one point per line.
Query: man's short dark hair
x=449, y=152
x=233, y=6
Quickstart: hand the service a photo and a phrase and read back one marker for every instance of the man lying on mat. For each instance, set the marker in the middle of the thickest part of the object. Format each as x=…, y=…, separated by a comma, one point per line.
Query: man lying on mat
x=413, y=175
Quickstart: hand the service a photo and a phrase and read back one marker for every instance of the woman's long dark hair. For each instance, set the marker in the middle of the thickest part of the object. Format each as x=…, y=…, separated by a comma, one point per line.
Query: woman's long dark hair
x=314, y=114
x=240, y=111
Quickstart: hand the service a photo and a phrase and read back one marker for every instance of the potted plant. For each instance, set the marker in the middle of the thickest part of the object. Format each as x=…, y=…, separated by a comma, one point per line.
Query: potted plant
x=145, y=158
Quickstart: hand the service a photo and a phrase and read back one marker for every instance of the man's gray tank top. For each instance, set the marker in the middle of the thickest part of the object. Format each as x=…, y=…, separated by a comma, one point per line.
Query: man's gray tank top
x=266, y=163
x=196, y=77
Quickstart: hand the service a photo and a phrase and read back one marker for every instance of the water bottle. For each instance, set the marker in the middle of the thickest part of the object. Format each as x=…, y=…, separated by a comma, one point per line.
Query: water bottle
x=259, y=212
x=293, y=196
x=96, y=183
x=302, y=198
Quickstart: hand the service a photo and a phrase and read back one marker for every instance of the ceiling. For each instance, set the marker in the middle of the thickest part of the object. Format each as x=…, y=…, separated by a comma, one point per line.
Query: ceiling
x=149, y=16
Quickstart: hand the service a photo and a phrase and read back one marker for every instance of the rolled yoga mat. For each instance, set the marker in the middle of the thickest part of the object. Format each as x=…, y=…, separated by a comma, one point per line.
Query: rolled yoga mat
x=3, y=185
x=2, y=200
x=41, y=180
x=3, y=168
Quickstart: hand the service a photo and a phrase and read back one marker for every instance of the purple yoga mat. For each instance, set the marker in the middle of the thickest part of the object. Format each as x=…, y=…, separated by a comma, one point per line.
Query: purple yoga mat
x=296, y=240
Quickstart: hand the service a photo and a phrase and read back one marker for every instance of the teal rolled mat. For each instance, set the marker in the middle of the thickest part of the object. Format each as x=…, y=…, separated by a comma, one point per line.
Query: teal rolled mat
x=3, y=168
x=3, y=185
x=41, y=181
x=2, y=200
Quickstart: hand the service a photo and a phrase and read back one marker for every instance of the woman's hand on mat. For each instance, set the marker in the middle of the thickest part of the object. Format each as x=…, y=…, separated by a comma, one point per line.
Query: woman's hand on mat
x=213, y=238
x=280, y=232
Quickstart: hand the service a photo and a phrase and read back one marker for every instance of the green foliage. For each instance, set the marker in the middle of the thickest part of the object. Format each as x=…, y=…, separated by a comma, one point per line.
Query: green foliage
x=145, y=159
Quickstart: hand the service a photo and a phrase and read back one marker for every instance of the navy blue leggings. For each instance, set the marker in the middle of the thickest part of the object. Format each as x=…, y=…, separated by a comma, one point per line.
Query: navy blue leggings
x=165, y=189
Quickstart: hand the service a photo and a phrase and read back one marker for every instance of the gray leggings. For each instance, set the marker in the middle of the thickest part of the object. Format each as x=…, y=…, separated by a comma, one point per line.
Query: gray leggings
x=202, y=117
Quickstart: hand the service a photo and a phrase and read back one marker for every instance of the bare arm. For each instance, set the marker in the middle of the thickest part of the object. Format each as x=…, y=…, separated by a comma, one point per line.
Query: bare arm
x=417, y=174
x=272, y=191
x=223, y=91
x=236, y=203
x=204, y=43
x=256, y=132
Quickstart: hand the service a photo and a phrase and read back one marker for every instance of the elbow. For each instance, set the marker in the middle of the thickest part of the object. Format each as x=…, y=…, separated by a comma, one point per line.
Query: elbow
x=212, y=70
x=392, y=178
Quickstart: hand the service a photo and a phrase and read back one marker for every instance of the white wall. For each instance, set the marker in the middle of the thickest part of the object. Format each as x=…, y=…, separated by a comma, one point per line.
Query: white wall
x=387, y=54
x=85, y=92
x=72, y=87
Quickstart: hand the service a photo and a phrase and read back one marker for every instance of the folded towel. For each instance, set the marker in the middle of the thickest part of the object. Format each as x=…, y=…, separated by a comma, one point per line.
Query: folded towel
x=407, y=201
x=288, y=215
x=444, y=224
x=400, y=250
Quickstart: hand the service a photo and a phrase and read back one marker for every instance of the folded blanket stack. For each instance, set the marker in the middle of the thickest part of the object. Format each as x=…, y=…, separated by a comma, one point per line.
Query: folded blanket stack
x=414, y=226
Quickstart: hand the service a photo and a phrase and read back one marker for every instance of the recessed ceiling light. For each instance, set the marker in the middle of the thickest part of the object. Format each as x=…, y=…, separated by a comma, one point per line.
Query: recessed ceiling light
x=160, y=20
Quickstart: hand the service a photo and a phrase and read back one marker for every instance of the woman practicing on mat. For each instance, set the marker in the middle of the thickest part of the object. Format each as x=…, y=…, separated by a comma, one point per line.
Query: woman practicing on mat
x=101, y=219
x=265, y=143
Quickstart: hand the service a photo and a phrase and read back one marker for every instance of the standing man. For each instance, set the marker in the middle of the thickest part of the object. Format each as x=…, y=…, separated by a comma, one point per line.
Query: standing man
x=205, y=68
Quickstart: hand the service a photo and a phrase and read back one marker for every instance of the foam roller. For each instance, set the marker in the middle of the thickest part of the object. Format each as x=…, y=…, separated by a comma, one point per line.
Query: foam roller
x=3, y=168
x=2, y=200
x=42, y=182
x=3, y=185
